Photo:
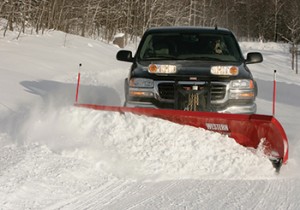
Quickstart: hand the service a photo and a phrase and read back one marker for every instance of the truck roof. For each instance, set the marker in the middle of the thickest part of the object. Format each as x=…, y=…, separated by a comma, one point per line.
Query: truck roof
x=192, y=29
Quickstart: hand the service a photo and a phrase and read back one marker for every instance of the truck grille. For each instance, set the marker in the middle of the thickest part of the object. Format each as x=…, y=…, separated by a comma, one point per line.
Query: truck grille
x=166, y=91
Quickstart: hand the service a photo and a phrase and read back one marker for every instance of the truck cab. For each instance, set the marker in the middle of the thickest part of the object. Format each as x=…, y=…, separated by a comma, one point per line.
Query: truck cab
x=190, y=68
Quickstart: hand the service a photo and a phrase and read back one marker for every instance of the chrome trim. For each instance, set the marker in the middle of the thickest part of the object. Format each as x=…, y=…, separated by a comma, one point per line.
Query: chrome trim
x=226, y=84
x=245, y=109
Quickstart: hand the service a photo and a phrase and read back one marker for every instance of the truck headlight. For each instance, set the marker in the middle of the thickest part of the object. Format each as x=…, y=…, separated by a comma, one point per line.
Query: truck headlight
x=141, y=83
x=162, y=69
x=224, y=70
x=146, y=94
x=242, y=89
x=242, y=84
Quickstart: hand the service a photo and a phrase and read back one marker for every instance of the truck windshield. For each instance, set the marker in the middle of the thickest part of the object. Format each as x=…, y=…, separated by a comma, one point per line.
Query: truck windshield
x=190, y=46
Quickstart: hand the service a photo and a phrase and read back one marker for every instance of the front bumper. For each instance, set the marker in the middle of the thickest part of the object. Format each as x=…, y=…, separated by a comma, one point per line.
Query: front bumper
x=242, y=109
x=163, y=98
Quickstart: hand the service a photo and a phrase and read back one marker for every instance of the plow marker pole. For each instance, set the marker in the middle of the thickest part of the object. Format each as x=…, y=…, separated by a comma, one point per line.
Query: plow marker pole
x=274, y=93
x=78, y=83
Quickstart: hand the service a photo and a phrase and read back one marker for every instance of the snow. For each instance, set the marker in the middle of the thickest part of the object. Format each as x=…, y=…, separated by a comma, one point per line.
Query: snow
x=56, y=156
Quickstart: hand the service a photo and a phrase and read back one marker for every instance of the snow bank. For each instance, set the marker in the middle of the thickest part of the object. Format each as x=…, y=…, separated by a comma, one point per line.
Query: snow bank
x=141, y=148
x=269, y=46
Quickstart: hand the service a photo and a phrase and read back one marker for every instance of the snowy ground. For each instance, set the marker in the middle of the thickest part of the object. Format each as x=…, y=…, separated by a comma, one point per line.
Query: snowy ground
x=56, y=156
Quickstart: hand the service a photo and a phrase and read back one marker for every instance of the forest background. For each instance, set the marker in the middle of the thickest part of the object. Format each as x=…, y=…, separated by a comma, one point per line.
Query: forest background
x=263, y=20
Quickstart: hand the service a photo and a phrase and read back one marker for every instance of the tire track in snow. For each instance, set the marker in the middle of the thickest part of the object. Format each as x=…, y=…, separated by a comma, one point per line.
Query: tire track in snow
x=96, y=198
x=118, y=195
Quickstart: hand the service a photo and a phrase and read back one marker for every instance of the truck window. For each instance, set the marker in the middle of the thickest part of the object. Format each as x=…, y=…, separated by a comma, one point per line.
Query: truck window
x=190, y=46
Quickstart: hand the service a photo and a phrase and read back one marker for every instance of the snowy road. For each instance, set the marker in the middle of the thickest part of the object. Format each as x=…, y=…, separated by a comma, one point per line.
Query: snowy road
x=56, y=156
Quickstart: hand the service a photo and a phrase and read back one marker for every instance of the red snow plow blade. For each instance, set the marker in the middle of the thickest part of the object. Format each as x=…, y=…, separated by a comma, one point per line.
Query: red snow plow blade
x=247, y=130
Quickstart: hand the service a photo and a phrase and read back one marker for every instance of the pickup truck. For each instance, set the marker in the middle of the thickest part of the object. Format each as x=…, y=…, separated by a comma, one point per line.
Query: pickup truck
x=190, y=68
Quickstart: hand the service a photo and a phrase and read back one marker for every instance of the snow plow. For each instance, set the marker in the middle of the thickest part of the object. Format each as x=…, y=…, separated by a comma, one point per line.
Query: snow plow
x=199, y=77
x=247, y=130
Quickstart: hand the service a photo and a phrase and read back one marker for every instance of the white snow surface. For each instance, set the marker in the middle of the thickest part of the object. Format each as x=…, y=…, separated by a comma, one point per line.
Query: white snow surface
x=57, y=156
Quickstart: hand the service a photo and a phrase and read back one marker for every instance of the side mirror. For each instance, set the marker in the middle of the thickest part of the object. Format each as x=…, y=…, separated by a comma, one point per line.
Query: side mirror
x=254, y=57
x=125, y=55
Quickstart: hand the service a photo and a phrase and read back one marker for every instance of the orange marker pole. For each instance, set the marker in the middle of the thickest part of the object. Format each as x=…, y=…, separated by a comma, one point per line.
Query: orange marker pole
x=78, y=84
x=274, y=93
